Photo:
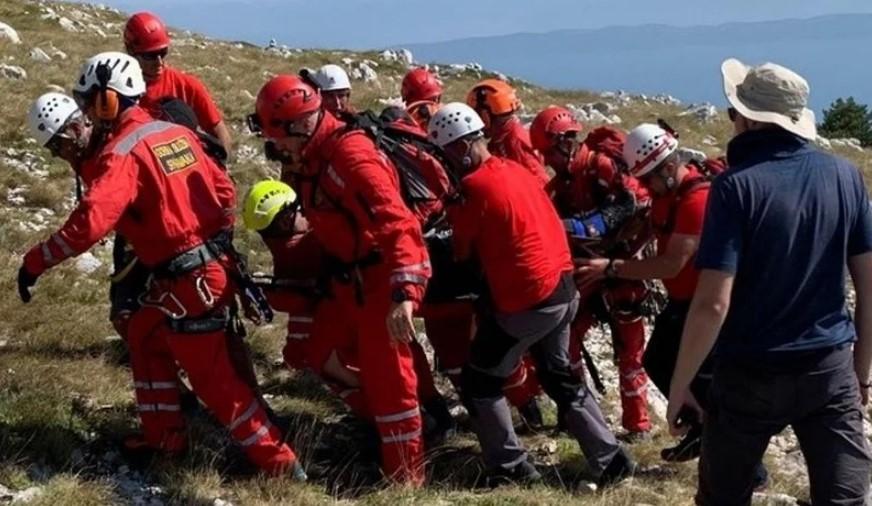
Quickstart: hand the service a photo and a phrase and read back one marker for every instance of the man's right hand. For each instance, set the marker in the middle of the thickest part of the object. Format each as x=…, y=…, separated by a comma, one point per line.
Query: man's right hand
x=401, y=327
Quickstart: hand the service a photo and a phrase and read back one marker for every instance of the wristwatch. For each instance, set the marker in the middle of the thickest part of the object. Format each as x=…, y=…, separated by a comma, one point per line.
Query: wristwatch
x=611, y=272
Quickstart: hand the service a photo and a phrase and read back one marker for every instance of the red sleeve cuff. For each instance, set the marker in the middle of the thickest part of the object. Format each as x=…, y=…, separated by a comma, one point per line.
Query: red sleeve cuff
x=34, y=260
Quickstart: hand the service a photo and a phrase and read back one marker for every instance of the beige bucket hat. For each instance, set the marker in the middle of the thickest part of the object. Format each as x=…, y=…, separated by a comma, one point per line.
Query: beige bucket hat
x=770, y=93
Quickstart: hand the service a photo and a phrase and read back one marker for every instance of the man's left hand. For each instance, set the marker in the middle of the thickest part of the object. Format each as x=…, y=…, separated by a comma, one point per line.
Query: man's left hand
x=401, y=327
x=589, y=271
x=679, y=404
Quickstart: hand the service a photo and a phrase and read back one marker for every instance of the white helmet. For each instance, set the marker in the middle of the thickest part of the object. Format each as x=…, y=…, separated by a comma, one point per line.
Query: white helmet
x=48, y=114
x=331, y=78
x=646, y=147
x=453, y=121
x=125, y=76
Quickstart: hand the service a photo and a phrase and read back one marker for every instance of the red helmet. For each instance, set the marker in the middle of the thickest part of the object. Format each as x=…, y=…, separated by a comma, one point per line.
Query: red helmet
x=283, y=99
x=551, y=123
x=421, y=84
x=145, y=33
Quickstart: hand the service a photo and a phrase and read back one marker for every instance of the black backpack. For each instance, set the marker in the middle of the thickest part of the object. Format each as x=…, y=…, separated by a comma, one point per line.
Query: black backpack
x=177, y=111
x=420, y=164
x=424, y=179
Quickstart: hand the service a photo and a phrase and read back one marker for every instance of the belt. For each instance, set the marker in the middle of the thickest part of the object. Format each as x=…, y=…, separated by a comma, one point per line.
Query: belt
x=344, y=272
x=208, y=323
x=194, y=258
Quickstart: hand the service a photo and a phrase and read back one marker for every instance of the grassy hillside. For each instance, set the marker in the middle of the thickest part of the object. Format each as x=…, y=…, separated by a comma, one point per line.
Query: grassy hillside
x=65, y=389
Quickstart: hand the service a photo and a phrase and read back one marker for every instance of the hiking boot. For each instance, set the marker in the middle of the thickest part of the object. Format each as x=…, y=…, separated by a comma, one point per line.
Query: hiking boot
x=439, y=424
x=620, y=468
x=522, y=474
x=531, y=417
x=687, y=449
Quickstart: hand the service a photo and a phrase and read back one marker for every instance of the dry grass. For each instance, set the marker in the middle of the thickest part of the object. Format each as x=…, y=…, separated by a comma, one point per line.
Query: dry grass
x=63, y=388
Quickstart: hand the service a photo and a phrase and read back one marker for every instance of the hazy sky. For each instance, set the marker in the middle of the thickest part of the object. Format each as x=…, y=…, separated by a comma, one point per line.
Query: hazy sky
x=359, y=24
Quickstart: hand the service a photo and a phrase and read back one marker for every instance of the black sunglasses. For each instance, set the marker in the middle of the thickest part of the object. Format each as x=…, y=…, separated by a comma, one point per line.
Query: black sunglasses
x=54, y=145
x=154, y=55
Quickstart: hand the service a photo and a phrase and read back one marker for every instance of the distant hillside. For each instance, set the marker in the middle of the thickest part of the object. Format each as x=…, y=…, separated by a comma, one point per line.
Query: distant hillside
x=830, y=51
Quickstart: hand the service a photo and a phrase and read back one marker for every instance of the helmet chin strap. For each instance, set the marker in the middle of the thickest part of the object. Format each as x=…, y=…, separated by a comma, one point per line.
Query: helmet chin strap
x=466, y=161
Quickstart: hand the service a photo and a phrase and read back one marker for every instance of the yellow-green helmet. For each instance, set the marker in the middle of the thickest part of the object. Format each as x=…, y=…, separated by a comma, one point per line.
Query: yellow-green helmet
x=264, y=201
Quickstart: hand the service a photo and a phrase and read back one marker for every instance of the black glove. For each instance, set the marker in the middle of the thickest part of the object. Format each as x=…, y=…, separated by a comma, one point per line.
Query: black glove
x=25, y=281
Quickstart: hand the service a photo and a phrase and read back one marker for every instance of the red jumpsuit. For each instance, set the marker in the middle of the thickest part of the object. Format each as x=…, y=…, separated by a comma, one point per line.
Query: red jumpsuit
x=165, y=195
x=512, y=141
x=356, y=212
x=593, y=183
x=316, y=328
x=187, y=88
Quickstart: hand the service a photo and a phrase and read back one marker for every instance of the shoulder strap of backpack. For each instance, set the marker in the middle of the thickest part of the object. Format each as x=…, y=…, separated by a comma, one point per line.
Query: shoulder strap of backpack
x=686, y=187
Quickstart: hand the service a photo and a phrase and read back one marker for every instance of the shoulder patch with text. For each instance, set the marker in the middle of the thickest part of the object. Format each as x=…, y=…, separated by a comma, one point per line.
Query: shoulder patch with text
x=175, y=155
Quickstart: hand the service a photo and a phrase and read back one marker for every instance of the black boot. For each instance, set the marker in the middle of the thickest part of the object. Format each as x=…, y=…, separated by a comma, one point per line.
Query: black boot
x=522, y=474
x=687, y=449
x=440, y=424
x=620, y=468
x=531, y=416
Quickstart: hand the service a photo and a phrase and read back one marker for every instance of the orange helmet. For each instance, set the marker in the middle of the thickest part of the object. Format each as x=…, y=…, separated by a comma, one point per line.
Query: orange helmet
x=145, y=33
x=493, y=97
x=551, y=123
x=421, y=111
x=421, y=84
x=284, y=99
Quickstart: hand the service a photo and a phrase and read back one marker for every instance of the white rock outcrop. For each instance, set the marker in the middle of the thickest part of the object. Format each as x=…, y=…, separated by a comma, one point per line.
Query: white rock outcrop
x=37, y=54
x=704, y=112
x=403, y=56
x=9, y=33
x=849, y=143
x=68, y=24
x=12, y=72
x=87, y=263
x=595, y=112
x=367, y=73
x=688, y=154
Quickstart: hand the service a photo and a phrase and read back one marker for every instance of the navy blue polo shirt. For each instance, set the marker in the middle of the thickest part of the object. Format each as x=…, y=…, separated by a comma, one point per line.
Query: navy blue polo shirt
x=784, y=219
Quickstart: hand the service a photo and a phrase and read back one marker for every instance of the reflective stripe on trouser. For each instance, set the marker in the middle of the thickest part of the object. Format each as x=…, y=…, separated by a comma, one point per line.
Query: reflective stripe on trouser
x=497, y=350
x=215, y=380
x=155, y=382
x=629, y=338
x=388, y=378
x=296, y=349
x=387, y=375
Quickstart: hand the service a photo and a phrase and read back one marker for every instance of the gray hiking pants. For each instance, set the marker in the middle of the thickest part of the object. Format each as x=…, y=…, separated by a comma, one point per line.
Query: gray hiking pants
x=498, y=347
